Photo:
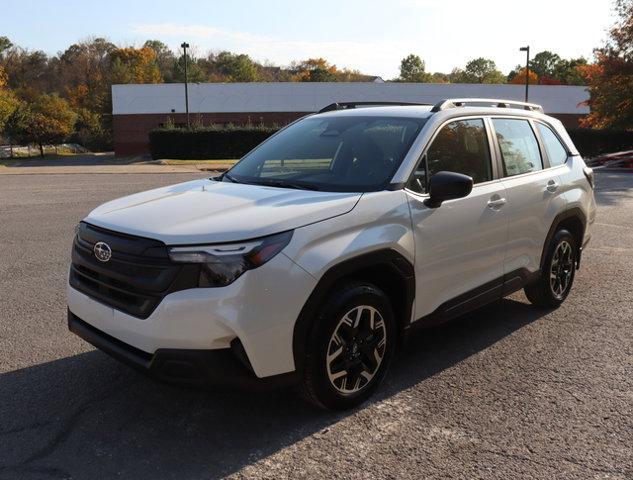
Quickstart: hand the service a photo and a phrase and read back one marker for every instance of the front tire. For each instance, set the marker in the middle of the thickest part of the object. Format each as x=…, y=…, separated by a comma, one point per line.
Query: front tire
x=557, y=276
x=350, y=347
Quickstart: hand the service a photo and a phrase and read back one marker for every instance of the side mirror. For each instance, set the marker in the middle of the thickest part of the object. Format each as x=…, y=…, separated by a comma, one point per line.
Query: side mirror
x=447, y=186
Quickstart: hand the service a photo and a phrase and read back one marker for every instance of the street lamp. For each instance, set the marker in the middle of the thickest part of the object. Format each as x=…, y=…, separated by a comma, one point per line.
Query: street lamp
x=185, y=46
x=527, y=69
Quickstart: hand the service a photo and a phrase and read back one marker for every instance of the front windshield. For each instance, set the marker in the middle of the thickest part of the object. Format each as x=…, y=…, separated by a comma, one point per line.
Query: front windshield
x=339, y=153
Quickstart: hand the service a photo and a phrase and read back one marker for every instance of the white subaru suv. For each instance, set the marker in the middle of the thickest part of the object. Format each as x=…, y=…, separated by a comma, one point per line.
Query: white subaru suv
x=308, y=262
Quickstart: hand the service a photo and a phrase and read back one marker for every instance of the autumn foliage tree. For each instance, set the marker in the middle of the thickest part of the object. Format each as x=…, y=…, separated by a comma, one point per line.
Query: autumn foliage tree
x=48, y=120
x=519, y=78
x=134, y=65
x=82, y=71
x=611, y=77
x=8, y=103
x=551, y=69
x=314, y=70
x=165, y=59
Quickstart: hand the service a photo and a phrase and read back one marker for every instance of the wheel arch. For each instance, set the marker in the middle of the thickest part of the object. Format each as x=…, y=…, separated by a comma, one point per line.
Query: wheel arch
x=573, y=220
x=387, y=269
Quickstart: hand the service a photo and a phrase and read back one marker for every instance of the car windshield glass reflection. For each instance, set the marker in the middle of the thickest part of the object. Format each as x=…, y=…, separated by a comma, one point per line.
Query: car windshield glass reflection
x=339, y=153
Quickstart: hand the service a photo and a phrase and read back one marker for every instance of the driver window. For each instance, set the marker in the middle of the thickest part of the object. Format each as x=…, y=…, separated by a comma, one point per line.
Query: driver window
x=462, y=147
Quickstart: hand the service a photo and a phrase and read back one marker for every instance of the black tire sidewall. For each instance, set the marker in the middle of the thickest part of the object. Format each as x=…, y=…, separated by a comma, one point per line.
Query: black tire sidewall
x=353, y=295
x=547, y=289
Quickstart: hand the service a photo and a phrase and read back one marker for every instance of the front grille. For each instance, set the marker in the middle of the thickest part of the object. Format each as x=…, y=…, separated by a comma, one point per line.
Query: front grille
x=135, y=279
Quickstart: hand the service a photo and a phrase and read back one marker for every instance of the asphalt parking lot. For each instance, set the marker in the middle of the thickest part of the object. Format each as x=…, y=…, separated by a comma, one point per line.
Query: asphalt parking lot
x=507, y=392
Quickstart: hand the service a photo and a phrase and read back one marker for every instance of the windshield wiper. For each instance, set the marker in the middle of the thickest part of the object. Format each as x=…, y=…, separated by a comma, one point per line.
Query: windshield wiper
x=229, y=177
x=287, y=184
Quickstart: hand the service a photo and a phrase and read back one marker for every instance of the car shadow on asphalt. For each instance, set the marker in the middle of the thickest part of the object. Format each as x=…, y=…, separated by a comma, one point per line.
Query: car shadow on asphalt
x=88, y=416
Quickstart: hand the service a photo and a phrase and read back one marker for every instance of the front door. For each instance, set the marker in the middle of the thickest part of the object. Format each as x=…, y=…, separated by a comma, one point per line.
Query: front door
x=459, y=246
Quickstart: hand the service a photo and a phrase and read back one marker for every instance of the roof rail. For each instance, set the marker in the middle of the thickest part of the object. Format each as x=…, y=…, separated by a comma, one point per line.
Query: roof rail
x=349, y=105
x=491, y=102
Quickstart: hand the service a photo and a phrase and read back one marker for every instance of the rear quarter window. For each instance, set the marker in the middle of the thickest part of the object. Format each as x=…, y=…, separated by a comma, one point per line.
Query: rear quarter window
x=556, y=152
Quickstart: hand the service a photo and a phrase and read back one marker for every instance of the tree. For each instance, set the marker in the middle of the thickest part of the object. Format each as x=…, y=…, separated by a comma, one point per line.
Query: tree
x=25, y=69
x=519, y=78
x=17, y=124
x=412, y=69
x=551, y=69
x=569, y=72
x=439, y=77
x=8, y=104
x=545, y=64
x=134, y=65
x=314, y=70
x=611, y=77
x=195, y=74
x=89, y=130
x=165, y=59
x=480, y=70
x=457, y=75
x=268, y=72
x=236, y=67
x=85, y=67
x=5, y=44
x=48, y=120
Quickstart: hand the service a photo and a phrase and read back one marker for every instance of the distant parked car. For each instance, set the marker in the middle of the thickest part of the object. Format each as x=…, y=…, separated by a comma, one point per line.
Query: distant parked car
x=308, y=261
x=613, y=160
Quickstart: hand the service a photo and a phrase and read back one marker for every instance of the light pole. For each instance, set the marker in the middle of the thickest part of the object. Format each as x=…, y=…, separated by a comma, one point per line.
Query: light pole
x=527, y=69
x=185, y=46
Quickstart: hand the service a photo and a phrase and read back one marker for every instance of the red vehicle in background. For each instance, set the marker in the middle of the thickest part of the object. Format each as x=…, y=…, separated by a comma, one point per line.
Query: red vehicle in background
x=613, y=160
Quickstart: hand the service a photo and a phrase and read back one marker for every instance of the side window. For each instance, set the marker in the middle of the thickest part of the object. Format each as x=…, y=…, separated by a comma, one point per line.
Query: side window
x=518, y=145
x=555, y=151
x=460, y=146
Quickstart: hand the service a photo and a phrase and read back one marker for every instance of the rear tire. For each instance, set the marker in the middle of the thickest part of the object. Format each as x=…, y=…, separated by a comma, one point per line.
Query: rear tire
x=350, y=347
x=557, y=275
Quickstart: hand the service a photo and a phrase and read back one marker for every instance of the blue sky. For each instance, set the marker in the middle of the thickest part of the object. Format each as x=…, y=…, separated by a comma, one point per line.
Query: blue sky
x=368, y=35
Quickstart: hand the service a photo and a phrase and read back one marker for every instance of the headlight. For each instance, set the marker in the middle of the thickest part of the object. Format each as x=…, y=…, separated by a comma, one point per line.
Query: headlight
x=222, y=264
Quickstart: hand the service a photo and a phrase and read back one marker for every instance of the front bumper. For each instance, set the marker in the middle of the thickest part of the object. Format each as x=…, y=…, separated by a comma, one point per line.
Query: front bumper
x=223, y=369
x=260, y=309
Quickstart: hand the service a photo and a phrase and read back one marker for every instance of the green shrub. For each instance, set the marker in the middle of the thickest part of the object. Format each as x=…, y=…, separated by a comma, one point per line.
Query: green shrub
x=92, y=131
x=212, y=142
x=591, y=143
x=234, y=141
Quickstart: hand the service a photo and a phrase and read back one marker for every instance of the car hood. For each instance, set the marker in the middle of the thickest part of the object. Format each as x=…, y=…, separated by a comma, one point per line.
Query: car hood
x=208, y=211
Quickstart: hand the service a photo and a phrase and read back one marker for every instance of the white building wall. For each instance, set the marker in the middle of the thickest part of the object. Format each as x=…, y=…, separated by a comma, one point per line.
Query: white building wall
x=310, y=97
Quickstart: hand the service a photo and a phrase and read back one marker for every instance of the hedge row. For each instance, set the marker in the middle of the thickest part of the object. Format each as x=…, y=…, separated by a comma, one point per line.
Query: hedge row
x=591, y=143
x=234, y=142
x=207, y=143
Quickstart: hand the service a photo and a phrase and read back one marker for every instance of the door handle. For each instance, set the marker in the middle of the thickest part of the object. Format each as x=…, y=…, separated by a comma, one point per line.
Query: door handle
x=496, y=202
x=551, y=186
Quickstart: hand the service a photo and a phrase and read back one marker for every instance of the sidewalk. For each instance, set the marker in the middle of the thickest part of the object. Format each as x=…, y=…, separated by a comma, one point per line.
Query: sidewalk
x=102, y=164
x=109, y=169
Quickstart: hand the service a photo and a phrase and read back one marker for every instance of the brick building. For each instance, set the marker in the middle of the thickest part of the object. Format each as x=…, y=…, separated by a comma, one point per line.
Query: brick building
x=137, y=109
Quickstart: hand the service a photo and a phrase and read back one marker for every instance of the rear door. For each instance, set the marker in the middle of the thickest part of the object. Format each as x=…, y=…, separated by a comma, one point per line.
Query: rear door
x=534, y=195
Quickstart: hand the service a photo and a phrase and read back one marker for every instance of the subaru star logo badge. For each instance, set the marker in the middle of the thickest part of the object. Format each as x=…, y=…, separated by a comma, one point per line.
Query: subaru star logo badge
x=102, y=251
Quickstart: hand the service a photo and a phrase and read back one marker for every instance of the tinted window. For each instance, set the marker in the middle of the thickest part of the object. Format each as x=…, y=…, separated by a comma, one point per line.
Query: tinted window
x=519, y=148
x=338, y=153
x=460, y=146
x=555, y=151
